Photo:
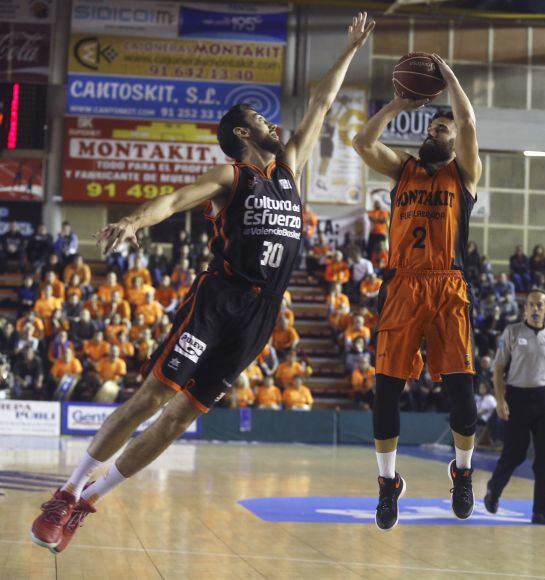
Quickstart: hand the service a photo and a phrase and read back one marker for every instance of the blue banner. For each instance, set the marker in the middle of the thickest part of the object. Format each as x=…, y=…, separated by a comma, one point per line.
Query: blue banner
x=257, y=25
x=180, y=100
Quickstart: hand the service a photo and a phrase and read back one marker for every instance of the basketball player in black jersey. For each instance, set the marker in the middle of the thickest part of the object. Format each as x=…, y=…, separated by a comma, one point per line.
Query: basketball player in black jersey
x=229, y=312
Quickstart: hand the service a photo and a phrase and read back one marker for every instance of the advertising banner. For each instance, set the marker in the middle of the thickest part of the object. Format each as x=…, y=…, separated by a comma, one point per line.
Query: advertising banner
x=21, y=179
x=125, y=161
x=24, y=52
x=87, y=418
x=336, y=172
x=29, y=417
x=134, y=61
x=408, y=126
x=27, y=215
x=27, y=10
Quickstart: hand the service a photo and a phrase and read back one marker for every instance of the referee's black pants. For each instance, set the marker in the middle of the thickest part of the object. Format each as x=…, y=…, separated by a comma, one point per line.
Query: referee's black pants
x=526, y=417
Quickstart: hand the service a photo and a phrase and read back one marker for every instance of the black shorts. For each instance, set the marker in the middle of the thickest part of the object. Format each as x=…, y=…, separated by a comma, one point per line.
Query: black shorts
x=219, y=329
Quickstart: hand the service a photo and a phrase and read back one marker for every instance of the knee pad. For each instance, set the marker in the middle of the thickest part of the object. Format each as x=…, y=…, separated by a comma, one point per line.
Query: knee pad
x=461, y=397
x=386, y=406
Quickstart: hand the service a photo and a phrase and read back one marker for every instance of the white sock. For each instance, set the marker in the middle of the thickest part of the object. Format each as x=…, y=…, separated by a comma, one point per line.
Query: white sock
x=463, y=458
x=387, y=464
x=80, y=476
x=112, y=478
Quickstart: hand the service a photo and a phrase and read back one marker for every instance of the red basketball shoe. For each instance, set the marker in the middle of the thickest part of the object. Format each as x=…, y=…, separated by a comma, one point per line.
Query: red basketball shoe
x=81, y=510
x=47, y=528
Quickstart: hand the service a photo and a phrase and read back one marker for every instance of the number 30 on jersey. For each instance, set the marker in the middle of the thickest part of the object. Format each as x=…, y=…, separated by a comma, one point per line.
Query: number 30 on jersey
x=272, y=254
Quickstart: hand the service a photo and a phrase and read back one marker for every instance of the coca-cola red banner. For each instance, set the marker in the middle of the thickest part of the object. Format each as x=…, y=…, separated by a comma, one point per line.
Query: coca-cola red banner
x=24, y=52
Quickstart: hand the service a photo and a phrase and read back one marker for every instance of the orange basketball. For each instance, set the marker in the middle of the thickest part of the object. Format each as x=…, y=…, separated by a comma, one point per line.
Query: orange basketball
x=416, y=76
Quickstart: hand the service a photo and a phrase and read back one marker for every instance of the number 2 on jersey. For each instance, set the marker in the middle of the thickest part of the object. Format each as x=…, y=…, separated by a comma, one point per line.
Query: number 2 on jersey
x=272, y=254
x=420, y=235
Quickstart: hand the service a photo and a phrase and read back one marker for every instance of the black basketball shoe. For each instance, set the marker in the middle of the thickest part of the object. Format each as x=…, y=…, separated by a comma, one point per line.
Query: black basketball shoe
x=390, y=491
x=491, y=502
x=462, y=491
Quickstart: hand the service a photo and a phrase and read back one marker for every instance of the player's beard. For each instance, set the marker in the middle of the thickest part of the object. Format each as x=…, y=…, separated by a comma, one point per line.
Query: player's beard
x=270, y=144
x=434, y=152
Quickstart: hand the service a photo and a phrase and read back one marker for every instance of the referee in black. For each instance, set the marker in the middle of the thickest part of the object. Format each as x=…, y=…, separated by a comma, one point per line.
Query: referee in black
x=520, y=362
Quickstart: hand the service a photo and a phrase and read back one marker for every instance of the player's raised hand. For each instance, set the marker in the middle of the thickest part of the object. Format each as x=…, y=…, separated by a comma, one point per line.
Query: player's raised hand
x=446, y=72
x=113, y=235
x=360, y=29
x=402, y=104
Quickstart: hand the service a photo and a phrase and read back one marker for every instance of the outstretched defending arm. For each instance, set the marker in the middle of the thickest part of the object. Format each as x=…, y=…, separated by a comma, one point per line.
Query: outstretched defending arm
x=209, y=186
x=375, y=154
x=467, y=148
x=300, y=146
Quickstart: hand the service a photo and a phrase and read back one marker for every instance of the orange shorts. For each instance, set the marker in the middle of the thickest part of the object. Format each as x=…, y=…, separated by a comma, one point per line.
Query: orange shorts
x=431, y=305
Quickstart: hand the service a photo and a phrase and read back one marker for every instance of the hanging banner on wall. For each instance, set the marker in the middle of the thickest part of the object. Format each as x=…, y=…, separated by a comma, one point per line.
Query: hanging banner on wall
x=408, y=126
x=24, y=52
x=21, y=179
x=126, y=161
x=27, y=11
x=336, y=172
x=215, y=56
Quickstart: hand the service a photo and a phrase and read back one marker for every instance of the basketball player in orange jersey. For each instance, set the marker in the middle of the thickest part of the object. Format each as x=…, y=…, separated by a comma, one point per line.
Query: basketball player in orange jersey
x=231, y=309
x=424, y=295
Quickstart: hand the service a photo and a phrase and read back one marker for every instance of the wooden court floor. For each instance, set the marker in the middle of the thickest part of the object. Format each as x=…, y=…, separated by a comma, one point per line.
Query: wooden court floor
x=180, y=519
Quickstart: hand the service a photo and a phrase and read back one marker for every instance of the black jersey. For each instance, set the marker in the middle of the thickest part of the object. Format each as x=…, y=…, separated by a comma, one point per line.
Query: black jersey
x=258, y=232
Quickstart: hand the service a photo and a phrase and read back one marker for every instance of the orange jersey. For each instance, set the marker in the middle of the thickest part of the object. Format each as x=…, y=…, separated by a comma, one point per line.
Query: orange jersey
x=369, y=287
x=58, y=289
x=268, y=396
x=338, y=301
x=123, y=308
x=96, y=310
x=74, y=290
x=363, y=381
x=61, y=368
x=337, y=272
x=287, y=371
x=126, y=349
x=295, y=397
x=84, y=273
x=44, y=307
x=38, y=326
x=243, y=396
x=310, y=222
x=353, y=333
x=288, y=315
x=111, y=370
x=152, y=312
x=379, y=221
x=95, y=351
x=105, y=292
x=165, y=295
x=133, y=273
x=284, y=339
x=430, y=219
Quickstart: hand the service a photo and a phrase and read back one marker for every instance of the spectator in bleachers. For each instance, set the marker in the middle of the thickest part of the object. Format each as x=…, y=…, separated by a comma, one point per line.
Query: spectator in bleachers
x=46, y=305
x=379, y=258
x=297, y=397
x=118, y=261
x=66, y=244
x=241, y=393
x=166, y=295
x=310, y=223
x=117, y=306
x=378, y=219
x=493, y=326
x=51, y=279
x=254, y=374
x=138, y=259
x=83, y=271
x=484, y=371
x=509, y=309
x=12, y=248
x=112, y=367
x=286, y=312
x=28, y=376
x=74, y=287
x=350, y=248
x=337, y=270
x=268, y=359
x=162, y=329
x=58, y=346
x=204, y=260
x=83, y=329
x=95, y=308
x=95, y=349
x=354, y=353
x=151, y=309
x=138, y=327
x=340, y=321
x=73, y=308
x=537, y=262
x=361, y=268
x=200, y=245
x=53, y=263
x=472, y=262
x=137, y=271
x=287, y=298
x=27, y=294
x=182, y=239
x=369, y=289
x=9, y=338
x=114, y=326
x=145, y=346
x=486, y=404
x=39, y=248
x=157, y=264
x=38, y=327
x=67, y=364
x=288, y=369
x=519, y=267
x=487, y=305
x=317, y=256
x=358, y=329
x=503, y=286
x=336, y=298
x=136, y=293
x=181, y=274
x=26, y=340
x=55, y=324
x=284, y=338
x=126, y=348
x=268, y=395
x=362, y=380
